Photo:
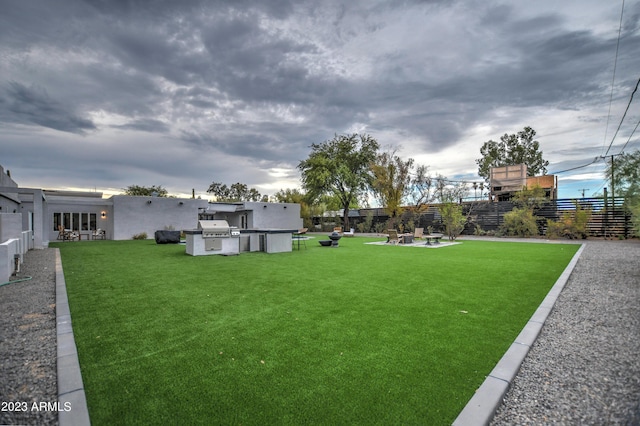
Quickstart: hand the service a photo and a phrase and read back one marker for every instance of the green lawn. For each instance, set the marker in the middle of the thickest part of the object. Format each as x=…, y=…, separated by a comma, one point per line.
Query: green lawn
x=359, y=334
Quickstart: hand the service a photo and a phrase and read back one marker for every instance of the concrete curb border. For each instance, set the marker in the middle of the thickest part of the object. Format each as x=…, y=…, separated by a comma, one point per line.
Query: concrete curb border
x=71, y=397
x=482, y=406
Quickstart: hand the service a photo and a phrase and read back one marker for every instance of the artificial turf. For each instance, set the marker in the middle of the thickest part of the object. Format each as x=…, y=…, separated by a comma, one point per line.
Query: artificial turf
x=359, y=334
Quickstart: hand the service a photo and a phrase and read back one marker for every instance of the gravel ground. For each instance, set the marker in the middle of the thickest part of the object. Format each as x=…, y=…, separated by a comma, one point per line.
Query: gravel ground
x=28, y=346
x=583, y=369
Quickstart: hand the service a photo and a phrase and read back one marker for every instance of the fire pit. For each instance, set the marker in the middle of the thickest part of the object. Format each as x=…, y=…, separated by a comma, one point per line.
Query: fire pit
x=325, y=243
x=334, y=237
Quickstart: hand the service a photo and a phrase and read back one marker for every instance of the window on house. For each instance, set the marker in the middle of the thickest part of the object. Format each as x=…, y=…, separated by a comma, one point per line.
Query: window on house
x=75, y=221
x=57, y=221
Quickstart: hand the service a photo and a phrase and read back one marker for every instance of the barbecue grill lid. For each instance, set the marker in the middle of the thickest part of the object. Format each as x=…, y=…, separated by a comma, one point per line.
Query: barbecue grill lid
x=213, y=224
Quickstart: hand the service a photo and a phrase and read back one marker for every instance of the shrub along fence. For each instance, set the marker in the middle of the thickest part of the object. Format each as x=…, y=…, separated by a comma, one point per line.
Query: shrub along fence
x=608, y=218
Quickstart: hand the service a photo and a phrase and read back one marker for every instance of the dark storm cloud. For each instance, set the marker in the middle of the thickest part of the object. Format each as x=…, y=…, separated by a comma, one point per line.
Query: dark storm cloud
x=145, y=125
x=33, y=105
x=256, y=83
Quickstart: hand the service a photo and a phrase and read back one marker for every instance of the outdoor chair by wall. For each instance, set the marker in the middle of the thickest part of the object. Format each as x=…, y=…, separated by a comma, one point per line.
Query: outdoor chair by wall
x=394, y=238
x=98, y=234
x=351, y=233
x=67, y=234
x=418, y=233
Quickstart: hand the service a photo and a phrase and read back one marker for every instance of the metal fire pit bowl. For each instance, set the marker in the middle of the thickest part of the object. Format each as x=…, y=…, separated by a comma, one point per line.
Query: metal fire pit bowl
x=334, y=237
x=325, y=243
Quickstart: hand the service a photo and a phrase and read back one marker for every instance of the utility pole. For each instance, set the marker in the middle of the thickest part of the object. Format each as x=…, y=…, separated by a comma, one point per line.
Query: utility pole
x=613, y=192
x=582, y=190
x=605, y=223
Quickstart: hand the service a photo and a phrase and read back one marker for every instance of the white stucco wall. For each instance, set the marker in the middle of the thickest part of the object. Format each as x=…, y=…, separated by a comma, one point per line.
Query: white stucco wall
x=76, y=204
x=8, y=249
x=10, y=226
x=9, y=200
x=134, y=215
x=274, y=215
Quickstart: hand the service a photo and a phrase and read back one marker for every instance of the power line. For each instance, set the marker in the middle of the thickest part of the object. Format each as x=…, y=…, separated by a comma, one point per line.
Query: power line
x=634, y=130
x=577, y=167
x=613, y=78
x=623, y=116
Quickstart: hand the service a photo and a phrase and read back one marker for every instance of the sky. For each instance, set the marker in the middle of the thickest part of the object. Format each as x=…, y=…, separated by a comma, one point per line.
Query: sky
x=98, y=95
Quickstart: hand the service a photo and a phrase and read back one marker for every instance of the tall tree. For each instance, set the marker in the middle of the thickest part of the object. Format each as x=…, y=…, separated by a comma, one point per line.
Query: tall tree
x=340, y=167
x=512, y=149
x=625, y=172
x=421, y=186
x=147, y=191
x=391, y=180
x=236, y=192
x=626, y=180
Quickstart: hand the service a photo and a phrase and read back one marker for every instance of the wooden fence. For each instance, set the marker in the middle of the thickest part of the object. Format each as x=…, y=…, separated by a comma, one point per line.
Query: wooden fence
x=610, y=219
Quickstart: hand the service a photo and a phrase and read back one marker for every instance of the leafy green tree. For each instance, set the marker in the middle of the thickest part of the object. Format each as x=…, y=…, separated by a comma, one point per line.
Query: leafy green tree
x=531, y=198
x=421, y=186
x=146, y=191
x=236, y=192
x=512, y=149
x=340, y=167
x=391, y=180
x=626, y=174
x=450, y=192
x=626, y=180
x=452, y=219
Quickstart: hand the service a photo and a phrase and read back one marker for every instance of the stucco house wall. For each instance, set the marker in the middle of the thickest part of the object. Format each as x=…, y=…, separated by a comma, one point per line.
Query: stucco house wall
x=274, y=215
x=256, y=215
x=10, y=226
x=135, y=215
x=75, y=203
x=9, y=200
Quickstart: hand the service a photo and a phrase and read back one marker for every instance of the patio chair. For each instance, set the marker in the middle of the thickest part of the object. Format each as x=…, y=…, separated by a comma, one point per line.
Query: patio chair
x=394, y=237
x=98, y=234
x=338, y=229
x=351, y=233
x=417, y=234
x=67, y=234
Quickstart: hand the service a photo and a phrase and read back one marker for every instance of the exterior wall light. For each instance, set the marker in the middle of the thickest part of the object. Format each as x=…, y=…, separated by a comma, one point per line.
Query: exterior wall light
x=149, y=202
x=103, y=215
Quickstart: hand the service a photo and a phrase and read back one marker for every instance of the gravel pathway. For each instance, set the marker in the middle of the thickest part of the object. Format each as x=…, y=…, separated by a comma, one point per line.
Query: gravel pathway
x=583, y=369
x=28, y=346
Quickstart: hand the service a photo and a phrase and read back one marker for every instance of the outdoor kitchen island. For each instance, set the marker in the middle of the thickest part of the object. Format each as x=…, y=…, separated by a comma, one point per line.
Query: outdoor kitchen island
x=267, y=240
x=217, y=237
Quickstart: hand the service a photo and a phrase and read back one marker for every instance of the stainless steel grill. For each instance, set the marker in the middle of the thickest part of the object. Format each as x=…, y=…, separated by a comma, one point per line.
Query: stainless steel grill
x=213, y=233
x=214, y=228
